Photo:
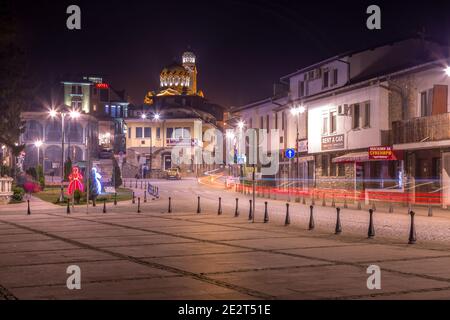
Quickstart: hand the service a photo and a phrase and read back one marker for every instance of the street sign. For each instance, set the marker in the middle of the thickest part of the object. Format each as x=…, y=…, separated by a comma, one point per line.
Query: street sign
x=290, y=153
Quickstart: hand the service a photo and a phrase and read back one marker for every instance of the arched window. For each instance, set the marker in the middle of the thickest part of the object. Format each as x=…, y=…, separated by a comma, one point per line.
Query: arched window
x=53, y=131
x=33, y=131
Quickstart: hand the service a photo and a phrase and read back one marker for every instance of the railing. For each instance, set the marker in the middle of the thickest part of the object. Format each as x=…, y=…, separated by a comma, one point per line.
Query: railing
x=431, y=128
x=5, y=189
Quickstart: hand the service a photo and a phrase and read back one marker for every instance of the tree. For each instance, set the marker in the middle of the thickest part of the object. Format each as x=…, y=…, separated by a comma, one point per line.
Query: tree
x=67, y=169
x=14, y=87
x=117, y=179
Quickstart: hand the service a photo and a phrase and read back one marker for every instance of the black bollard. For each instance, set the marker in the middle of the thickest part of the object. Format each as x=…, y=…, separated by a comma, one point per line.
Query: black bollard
x=371, y=231
x=133, y=201
x=135, y=184
x=345, y=202
x=115, y=198
x=250, y=212
x=104, y=205
x=311, y=218
x=287, y=220
x=412, y=231
x=169, y=210
x=141, y=184
x=338, y=228
x=68, y=206
x=266, y=213
x=198, y=205
x=28, y=210
x=236, y=211
x=139, y=205
x=219, y=211
x=145, y=196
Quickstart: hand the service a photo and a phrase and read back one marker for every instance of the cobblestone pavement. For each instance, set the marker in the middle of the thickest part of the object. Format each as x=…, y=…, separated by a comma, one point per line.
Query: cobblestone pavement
x=183, y=255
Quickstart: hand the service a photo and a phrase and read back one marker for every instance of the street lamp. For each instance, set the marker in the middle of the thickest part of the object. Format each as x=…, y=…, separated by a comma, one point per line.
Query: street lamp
x=447, y=71
x=38, y=144
x=296, y=111
x=73, y=114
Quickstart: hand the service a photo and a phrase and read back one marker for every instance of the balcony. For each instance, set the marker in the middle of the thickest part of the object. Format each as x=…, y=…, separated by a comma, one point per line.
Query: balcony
x=431, y=128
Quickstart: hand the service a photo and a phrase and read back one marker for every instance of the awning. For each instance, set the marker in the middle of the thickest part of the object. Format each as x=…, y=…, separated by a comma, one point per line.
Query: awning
x=353, y=157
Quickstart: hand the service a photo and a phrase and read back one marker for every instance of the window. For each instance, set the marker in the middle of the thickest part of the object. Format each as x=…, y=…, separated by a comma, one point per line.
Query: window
x=333, y=169
x=367, y=114
x=147, y=132
x=325, y=79
x=325, y=165
x=107, y=109
x=267, y=123
x=113, y=111
x=158, y=133
x=169, y=133
x=76, y=105
x=426, y=102
x=355, y=116
x=341, y=169
x=125, y=111
x=301, y=89
x=76, y=89
x=324, y=124
x=333, y=122
x=138, y=132
x=129, y=132
x=334, y=80
x=186, y=133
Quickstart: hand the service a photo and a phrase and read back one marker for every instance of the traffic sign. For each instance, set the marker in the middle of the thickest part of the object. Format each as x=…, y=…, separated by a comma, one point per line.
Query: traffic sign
x=290, y=153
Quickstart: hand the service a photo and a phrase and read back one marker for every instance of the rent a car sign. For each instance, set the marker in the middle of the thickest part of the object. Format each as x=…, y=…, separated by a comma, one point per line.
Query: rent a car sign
x=381, y=153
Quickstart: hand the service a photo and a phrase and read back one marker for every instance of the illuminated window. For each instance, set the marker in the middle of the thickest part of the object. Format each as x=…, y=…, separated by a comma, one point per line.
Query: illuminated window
x=138, y=132
x=147, y=132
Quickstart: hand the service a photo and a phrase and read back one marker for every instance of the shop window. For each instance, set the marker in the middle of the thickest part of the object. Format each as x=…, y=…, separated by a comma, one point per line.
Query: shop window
x=333, y=169
x=341, y=169
x=325, y=165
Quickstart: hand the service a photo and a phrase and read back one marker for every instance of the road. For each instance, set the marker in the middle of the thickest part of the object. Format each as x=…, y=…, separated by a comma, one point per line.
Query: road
x=154, y=254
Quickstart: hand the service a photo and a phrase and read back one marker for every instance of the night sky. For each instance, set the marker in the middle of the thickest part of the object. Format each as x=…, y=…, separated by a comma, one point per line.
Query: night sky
x=242, y=46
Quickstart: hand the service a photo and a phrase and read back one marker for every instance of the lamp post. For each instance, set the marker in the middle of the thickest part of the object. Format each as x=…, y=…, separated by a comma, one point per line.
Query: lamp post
x=73, y=114
x=296, y=111
x=38, y=144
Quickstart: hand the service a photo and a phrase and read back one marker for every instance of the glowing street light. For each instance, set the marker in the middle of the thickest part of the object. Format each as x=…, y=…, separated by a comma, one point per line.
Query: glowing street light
x=38, y=144
x=143, y=116
x=241, y=124
x=156, y=116
x=447, y=71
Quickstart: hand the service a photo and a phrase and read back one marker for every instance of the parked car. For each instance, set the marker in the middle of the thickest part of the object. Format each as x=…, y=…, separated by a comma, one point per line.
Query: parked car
x=105, y=154
x=173, y=173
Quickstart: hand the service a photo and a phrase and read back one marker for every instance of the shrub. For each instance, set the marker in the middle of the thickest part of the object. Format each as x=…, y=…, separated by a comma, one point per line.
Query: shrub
x=18, y=193
x=77, y=196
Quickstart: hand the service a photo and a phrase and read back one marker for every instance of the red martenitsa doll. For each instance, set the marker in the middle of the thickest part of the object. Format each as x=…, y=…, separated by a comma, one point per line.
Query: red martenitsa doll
x=76, y=181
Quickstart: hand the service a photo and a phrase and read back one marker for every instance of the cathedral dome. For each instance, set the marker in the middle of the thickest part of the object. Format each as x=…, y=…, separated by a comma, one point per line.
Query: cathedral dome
x=174, y=76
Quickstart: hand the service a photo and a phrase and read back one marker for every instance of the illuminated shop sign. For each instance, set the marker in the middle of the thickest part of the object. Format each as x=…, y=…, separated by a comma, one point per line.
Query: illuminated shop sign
x=102, y=85
x=333, y=142
x=381, y=153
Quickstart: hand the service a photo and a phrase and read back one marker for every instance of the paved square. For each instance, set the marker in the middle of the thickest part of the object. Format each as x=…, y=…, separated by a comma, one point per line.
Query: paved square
x=183, y=255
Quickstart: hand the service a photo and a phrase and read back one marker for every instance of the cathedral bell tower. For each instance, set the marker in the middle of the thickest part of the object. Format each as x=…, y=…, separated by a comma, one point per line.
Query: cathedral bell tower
x=189, y=65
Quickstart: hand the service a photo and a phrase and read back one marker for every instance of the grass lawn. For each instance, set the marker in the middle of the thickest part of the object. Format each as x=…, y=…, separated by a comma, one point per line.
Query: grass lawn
x=51, y=194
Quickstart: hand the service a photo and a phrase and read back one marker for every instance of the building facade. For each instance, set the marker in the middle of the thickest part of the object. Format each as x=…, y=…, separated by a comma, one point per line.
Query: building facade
x=374, y=122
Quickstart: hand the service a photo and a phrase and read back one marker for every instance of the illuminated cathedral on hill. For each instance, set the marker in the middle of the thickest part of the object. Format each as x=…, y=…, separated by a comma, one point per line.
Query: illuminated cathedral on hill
x=177, y=80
